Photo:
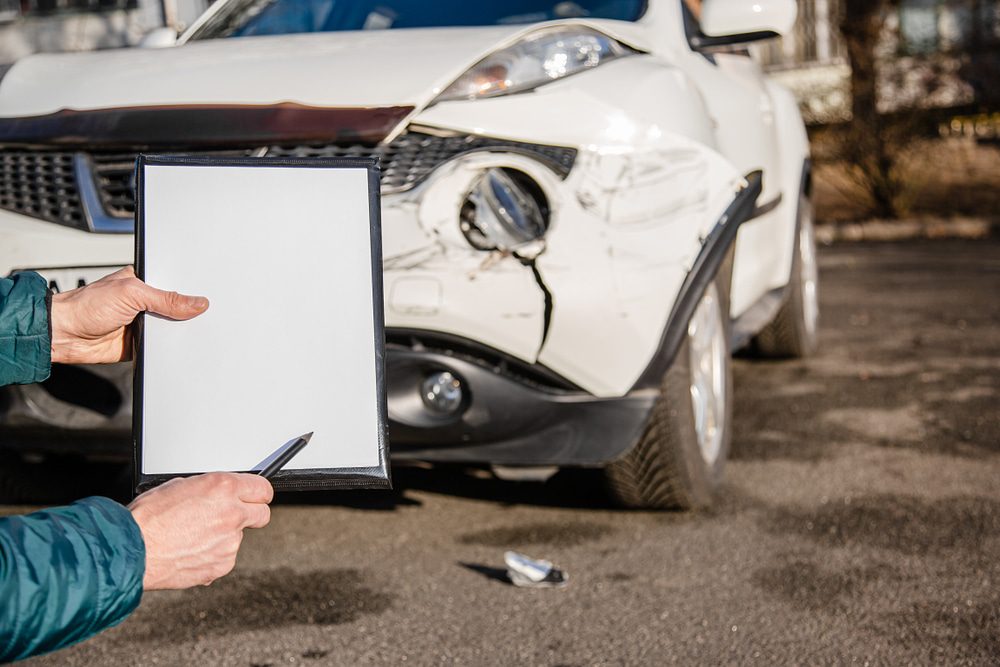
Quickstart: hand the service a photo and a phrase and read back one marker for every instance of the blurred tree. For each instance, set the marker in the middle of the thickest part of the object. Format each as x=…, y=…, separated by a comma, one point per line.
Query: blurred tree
x=869, y=143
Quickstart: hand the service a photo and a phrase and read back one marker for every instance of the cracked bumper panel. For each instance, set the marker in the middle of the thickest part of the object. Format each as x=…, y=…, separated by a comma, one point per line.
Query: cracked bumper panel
x=625, y=229
x=626, y=224
x=436, y=281
x=629, y=231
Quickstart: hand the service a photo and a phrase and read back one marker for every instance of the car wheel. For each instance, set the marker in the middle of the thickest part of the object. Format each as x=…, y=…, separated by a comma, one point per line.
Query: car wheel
x=678, y=461
x=793, y=331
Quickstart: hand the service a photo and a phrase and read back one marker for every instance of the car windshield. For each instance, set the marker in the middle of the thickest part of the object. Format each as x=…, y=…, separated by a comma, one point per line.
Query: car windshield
x=244, y=18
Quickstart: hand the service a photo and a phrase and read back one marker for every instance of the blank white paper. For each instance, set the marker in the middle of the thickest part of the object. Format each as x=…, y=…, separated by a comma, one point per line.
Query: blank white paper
x=287, y=345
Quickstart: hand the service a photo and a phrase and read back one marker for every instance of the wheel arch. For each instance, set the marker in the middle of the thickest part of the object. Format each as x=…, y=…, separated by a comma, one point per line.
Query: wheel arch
x=714, y=253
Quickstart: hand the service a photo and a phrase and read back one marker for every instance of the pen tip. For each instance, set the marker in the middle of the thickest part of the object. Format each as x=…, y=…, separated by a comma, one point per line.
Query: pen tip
x=307, y=436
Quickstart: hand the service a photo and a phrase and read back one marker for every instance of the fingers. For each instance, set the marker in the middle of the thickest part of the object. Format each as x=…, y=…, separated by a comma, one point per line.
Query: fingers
x=253, y=493
x=254, y=488
x=258, y=515
x=167, y=304
x=193, y=527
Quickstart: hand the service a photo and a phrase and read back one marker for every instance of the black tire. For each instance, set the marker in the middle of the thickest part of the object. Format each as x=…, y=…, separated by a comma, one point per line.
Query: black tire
x=790, y=334
x=666, y=469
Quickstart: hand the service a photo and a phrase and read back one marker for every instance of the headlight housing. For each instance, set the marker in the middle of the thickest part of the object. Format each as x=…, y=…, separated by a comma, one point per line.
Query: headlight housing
x=539, y=58
x=504, y=210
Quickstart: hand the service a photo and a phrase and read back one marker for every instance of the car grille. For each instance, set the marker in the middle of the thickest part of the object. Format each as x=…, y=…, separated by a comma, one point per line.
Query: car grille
x=113, y=174
x=42, y=184
x=412, y=157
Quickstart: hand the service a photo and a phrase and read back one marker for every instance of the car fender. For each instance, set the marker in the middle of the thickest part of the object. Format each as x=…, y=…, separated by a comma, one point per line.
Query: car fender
x=793, y=153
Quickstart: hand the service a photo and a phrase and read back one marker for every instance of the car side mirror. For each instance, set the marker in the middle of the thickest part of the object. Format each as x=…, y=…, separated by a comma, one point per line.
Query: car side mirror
x=725, y=22
x=158, y=38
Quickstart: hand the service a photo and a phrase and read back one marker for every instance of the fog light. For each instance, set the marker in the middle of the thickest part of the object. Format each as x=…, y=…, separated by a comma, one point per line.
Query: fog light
x=505, y=209
x=442, y=393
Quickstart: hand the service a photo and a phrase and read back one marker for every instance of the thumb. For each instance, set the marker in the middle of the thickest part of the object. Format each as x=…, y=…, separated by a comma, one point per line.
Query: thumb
x=170, y=304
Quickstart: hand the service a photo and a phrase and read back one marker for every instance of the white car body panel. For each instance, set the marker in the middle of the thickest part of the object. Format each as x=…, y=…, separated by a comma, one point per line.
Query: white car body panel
x=663, y=139
x=27, y=243
x=392, y=71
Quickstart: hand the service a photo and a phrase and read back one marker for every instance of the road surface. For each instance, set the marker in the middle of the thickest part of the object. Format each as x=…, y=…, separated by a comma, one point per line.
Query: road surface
x=859, y=523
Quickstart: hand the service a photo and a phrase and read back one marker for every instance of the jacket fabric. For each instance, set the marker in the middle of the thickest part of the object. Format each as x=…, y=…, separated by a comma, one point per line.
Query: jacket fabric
x=25, y=337
x=70, y=572
x=66, y=574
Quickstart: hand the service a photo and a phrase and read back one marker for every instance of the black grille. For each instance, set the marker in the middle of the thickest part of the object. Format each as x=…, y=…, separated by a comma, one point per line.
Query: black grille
x=42, y=185
x=113, y=173
x=412, y=157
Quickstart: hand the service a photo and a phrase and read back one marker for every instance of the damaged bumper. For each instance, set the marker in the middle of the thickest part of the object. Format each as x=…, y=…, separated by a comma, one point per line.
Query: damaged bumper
x=504, y=412
x=507, y=412
x=591, y=297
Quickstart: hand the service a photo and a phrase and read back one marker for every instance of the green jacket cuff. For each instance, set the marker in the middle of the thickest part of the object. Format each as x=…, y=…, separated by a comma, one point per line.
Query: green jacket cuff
x=25, y=330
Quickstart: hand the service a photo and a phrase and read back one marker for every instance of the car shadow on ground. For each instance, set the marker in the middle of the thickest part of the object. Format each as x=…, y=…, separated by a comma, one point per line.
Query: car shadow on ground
x=61, y=480
x=573, y=489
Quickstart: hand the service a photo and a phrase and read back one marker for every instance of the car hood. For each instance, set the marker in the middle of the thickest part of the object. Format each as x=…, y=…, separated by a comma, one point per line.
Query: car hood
x=346, y=69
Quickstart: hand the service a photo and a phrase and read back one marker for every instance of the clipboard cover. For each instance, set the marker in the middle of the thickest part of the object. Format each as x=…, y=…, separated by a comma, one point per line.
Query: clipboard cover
x=297, y=345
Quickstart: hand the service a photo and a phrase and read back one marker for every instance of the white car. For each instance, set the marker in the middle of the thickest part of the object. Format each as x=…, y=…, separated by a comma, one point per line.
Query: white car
x=586, y=206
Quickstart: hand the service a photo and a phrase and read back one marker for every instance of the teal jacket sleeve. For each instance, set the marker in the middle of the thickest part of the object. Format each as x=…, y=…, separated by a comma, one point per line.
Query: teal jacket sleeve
x=25, y=334
x=66, y=574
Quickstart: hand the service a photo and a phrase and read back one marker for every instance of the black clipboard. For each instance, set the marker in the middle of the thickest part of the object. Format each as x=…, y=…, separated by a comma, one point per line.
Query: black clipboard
x=376, y=474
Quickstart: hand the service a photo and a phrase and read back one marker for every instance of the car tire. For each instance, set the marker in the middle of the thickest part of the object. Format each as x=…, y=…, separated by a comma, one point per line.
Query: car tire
x=679, y=460
x=793, y=332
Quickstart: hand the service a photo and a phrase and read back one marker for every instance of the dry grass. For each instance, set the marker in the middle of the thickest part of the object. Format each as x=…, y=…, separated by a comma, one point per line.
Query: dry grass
x=944, y=178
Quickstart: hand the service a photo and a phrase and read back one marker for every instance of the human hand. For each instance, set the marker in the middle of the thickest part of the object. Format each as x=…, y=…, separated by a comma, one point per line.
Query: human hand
x=193, y=527
x=91, y=325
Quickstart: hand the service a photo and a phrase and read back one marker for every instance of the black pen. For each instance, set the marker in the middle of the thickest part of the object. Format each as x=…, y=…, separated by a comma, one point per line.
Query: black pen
x=281, y=456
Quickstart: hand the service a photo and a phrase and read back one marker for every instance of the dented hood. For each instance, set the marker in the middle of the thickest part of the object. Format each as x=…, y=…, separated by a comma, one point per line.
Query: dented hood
x=346, y=69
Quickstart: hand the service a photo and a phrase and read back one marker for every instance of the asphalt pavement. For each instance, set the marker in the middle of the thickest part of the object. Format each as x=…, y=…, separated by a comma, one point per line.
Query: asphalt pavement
x=859, y=523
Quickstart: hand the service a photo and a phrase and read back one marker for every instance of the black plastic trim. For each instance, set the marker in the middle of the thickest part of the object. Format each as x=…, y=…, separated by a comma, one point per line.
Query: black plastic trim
x=504, y=420
x=765, y=208
x=145, y=128
x=377, y=477
x=705, y=268
x=703, y=42
x=536, y=375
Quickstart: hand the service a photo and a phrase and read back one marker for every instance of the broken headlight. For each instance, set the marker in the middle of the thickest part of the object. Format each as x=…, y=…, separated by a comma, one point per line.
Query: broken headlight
x=504, y=210
x=537, y=59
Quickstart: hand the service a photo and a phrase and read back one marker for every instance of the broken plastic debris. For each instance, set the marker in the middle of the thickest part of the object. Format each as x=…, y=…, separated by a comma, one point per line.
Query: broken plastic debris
x=530, y=573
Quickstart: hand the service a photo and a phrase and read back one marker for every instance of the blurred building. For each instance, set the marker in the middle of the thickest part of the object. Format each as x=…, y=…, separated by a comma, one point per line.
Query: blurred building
x=33, y=26
x=933, y=53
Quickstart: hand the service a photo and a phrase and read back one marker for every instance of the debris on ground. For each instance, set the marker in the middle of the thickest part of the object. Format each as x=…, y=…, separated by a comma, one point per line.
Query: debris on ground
x=529, y=573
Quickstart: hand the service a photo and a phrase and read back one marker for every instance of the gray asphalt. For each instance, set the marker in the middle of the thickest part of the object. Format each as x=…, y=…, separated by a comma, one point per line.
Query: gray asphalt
x=860, y=523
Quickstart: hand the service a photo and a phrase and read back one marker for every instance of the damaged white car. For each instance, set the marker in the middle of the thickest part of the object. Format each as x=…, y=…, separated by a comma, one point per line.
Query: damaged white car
x=586, y=206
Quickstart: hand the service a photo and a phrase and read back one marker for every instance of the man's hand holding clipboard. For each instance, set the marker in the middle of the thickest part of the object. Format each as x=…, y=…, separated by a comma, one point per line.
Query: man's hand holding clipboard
x=272, y=243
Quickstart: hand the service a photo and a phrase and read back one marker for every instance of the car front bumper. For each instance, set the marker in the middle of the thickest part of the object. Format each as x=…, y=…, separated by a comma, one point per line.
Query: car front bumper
x=510, y=414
